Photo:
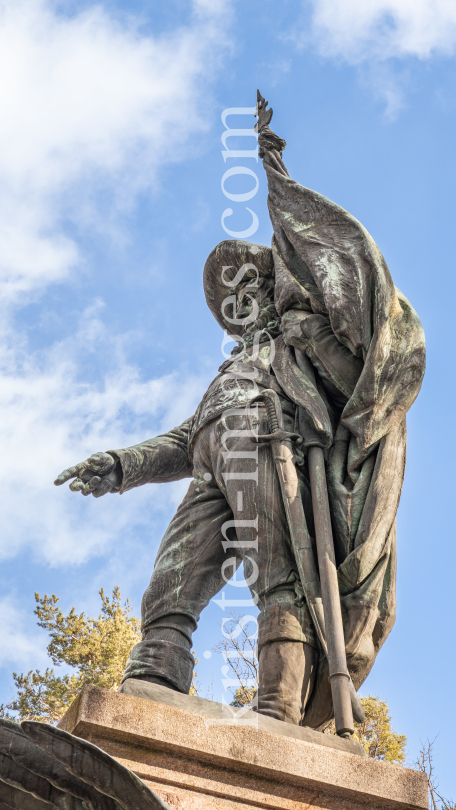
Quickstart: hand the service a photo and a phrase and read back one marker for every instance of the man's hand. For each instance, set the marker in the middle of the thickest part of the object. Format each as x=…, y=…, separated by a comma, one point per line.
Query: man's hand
x=294, y=328
x=99, y=474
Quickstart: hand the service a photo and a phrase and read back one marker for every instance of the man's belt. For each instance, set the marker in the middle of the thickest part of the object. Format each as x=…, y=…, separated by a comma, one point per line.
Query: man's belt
x=264, y=380
x=262, y=377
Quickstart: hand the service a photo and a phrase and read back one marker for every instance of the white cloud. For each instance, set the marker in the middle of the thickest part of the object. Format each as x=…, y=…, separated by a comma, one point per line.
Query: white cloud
x=380, y=38
x=383, y=29
x=52, y=419
x=89, y=103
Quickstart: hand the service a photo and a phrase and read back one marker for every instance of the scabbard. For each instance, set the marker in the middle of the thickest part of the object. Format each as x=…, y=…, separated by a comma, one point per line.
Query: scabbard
x=301, y=543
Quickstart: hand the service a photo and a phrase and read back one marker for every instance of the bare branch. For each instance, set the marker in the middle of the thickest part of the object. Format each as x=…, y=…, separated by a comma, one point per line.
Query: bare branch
x=239, y=651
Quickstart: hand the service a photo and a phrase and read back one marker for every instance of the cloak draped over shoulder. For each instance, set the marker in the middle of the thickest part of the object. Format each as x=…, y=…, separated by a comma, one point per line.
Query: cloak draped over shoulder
x=327, y=264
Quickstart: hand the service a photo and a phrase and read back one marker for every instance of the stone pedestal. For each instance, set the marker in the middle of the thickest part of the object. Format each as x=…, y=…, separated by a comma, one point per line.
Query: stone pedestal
x=200, y=755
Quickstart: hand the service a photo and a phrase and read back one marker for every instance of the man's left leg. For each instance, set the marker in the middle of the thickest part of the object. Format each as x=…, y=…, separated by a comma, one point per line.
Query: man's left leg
x=286, y=641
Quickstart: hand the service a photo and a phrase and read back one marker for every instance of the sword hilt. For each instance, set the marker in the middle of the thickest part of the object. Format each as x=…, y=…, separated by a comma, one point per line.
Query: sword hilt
x=273, y=408
x=272, y=415
x=276, y=425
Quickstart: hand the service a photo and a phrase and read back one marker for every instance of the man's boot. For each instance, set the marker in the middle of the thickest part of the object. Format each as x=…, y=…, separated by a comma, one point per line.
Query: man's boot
x=287, y=674
x=163, y=656
x=287, y=661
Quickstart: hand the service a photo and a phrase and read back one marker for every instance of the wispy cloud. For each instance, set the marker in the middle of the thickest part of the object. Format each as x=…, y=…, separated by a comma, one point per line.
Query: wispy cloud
x=372, y=34
x=383, y=29
x=51, y=418
x=87, y=103
x=18, y=645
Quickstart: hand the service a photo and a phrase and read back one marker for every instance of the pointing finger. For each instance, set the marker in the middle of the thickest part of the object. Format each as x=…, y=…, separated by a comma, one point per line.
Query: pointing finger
x=71, y=472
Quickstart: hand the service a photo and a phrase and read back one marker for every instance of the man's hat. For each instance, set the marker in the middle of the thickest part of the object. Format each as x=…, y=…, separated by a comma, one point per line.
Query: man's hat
x=230, y=266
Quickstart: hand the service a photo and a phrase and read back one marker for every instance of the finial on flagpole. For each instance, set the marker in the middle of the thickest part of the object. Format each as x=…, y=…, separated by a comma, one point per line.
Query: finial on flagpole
x=267, y=140
x=264, y=115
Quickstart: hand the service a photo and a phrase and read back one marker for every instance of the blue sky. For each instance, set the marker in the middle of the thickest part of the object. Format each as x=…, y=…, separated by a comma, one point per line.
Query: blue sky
x=110, y=202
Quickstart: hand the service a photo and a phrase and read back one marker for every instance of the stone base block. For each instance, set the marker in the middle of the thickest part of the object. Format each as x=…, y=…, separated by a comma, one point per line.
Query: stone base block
x=200, y=755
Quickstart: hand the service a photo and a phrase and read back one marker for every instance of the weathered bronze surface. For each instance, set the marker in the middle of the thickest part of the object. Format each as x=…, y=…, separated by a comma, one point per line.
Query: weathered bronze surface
x=43, y=767
x=320, y=323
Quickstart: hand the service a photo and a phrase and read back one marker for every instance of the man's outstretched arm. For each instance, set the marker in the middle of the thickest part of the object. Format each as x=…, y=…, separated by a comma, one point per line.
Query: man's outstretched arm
x=164, y=458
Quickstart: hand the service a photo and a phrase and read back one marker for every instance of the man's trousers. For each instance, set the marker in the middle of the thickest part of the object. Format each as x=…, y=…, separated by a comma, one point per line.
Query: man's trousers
x=232, y=513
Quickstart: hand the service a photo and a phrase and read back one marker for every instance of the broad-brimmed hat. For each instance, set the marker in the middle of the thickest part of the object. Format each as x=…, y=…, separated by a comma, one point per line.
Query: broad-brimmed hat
x=229, y=258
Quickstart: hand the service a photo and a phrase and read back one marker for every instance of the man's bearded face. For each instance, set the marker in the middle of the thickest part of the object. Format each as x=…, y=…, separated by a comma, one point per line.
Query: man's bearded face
x=255, y=306
x=255, y=293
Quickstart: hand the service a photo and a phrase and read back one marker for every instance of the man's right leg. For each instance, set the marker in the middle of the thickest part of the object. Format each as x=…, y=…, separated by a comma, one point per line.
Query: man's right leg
x=287, y=662
x=187, y=575
x=287, y=677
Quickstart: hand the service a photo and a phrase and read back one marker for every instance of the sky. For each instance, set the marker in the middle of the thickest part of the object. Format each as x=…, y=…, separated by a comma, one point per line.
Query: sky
x=110, y=201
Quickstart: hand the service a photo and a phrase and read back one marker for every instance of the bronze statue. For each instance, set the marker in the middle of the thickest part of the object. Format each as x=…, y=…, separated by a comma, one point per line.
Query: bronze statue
x=330, y=357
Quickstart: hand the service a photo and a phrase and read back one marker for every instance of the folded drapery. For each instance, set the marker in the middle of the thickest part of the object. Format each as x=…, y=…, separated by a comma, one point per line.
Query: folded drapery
x=327, y=265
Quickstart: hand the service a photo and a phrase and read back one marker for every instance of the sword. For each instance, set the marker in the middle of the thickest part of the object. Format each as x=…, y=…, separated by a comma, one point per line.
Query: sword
x=321, y=591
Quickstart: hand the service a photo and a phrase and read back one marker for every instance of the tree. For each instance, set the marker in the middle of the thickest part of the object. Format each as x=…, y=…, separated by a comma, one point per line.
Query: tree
x=425, y=764
x=375, y=734
x=97, y=648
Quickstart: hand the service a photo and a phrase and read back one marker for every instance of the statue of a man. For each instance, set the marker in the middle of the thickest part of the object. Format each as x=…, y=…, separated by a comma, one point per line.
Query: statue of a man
x=322, y=291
